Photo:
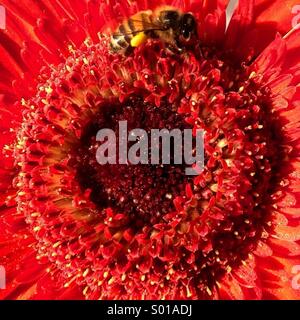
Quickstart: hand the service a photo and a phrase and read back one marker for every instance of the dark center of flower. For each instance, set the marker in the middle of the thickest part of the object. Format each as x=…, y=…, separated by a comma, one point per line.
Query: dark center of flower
x=144, y=191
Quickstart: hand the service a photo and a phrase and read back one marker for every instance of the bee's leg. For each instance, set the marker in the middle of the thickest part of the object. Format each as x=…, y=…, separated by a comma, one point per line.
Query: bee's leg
x=178, y=45
x=175, y=47
x=129, y=50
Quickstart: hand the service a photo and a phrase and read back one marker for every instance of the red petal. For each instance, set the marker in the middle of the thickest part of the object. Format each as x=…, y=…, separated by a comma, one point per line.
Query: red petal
x=240, y=23
x=277, y=13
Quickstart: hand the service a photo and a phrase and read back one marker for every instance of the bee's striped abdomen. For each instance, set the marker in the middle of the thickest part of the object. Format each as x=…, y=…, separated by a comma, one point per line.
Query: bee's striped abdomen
x=131, y=26
x=120, y=40
x=123, y=35
x=136, y=24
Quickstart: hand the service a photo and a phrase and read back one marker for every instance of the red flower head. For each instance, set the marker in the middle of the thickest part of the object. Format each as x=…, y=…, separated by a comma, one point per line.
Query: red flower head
x=71, y=228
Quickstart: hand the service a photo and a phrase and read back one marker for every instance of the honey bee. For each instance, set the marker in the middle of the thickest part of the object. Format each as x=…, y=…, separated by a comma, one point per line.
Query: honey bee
x=170, y=25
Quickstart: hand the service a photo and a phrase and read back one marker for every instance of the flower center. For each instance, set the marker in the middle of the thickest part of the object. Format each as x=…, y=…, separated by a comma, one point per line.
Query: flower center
x=133, y=231
x=144, y=191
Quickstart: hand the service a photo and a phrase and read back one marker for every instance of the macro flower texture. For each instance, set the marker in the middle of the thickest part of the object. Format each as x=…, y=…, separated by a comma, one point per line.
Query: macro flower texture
x=71, y=228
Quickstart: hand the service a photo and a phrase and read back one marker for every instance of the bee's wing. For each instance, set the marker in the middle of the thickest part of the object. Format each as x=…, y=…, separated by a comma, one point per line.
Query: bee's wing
x=139, y=26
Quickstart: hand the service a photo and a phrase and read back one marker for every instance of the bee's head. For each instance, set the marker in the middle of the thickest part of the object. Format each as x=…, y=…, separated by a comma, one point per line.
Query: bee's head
x=187, y=26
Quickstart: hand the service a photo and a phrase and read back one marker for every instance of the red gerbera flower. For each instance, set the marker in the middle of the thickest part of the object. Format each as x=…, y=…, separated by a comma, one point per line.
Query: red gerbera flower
x=71, y=228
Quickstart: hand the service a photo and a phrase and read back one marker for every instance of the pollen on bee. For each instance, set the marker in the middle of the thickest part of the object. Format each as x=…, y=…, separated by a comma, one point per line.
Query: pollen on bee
x=139, y=39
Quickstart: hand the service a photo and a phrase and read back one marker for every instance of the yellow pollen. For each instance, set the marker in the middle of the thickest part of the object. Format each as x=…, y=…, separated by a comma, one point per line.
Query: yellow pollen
x=208, y=291
x=188, y=292
x=85, y=290
x=214, y=187
x=222, y=143
x=228, y=162
x=171, y=271
x=49, y=90
x=72, y=280
x=87, y=42
x=57, y=244
x=71, y=49
x=7, y=147
x=137, y=40
x=86, y=272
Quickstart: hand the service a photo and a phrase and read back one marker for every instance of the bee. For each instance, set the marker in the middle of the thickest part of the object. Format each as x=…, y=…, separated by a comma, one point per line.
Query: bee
x=168, y=24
